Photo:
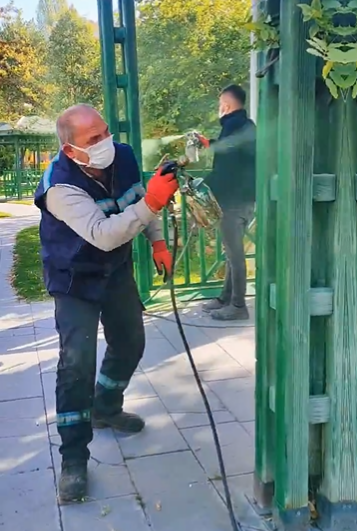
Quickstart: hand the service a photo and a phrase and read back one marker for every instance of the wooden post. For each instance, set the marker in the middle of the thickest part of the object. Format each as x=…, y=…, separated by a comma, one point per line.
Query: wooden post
x=307, y=404
x=338, y=496
x=265, y=276
x=295, y=186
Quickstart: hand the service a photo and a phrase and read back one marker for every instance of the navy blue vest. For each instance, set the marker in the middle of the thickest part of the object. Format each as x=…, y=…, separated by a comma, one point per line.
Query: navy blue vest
x=72, y=265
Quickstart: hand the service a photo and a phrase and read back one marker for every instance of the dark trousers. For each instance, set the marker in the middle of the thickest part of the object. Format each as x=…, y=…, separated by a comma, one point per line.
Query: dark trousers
x=121, y=313
x=233, y=226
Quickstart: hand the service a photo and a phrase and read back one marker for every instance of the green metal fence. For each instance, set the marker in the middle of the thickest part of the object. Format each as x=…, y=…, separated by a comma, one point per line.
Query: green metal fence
x=22, y=161
x=18, y=184
x=200, y=269
x=201, y=258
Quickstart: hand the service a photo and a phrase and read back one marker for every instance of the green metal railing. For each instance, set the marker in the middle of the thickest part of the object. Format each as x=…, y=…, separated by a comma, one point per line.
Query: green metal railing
x=17, y=184
x=200, y=270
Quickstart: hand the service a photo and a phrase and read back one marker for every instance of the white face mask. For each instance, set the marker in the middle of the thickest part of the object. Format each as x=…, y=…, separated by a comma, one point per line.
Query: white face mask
x=221, y=112
x=101, y=155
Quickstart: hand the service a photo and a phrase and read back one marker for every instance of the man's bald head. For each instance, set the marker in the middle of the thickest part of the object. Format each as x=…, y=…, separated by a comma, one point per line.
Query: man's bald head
x=71, y=119
x=80, y=126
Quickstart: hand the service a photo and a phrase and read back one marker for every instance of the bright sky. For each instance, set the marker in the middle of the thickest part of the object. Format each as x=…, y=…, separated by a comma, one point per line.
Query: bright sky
x=87, y=8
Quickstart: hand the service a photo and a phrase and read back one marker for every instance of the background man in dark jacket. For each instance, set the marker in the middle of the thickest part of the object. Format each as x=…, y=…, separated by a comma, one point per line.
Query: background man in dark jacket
x=232, y=181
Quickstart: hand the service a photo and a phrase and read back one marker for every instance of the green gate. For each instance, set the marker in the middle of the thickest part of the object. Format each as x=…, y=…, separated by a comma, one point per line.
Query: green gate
x=201, y=258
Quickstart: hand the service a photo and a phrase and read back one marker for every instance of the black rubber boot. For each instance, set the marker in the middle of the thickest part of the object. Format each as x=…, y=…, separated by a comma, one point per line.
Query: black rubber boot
x=73, y=482
x=124, y=422
x=231, y=313
x=214, y=304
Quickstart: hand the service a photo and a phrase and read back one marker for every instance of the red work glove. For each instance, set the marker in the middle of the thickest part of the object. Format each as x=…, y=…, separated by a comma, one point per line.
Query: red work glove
x=160, y=189
x=204, y=141
x=162, y=258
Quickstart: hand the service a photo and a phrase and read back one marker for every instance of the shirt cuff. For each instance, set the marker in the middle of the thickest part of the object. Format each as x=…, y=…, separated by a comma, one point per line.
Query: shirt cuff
x=144, y=213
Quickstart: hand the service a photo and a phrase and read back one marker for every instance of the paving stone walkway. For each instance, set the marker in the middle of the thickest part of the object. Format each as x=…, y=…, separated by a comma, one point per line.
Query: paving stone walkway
x=165, y=479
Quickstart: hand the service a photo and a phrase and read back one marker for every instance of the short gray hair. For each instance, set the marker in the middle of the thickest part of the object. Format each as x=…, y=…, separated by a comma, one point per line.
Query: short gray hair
x=65, y=126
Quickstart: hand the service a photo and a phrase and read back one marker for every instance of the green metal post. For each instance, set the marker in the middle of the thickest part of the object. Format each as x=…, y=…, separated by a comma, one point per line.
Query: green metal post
x=112, y=81
x=106, y=33
x=127, y=10
x=18, y=169
x=127, y=14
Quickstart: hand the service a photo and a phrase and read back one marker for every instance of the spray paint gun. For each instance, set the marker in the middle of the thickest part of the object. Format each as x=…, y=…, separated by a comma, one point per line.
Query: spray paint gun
x=200, y=200
x=193, y=145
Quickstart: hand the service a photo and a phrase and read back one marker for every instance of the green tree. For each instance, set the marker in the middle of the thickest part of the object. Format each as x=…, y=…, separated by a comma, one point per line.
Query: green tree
x=7, y=158
x=48, y=12
x=74, y=62
x=22, y=66
x=188, y=51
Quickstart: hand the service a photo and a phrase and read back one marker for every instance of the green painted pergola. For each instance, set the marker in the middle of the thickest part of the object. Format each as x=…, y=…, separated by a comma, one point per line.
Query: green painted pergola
x=33, y=134
x=306, y=306
x=306, y=378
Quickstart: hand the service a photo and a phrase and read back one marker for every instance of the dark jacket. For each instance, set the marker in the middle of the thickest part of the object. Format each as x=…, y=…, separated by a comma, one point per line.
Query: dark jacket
x=232, y=179
x=72, y=265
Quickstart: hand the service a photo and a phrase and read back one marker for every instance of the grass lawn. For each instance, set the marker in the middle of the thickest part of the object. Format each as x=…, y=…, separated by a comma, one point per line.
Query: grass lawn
x=21, y=202
x=5, y=215
x=27, y=268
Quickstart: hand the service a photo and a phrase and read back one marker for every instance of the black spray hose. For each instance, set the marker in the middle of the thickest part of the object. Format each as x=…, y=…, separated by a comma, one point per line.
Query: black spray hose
x=236, y=526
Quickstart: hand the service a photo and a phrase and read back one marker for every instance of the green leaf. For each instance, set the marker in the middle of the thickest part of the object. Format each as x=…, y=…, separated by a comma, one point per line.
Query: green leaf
x=337, y=79
x=327, y=69
x=331, y=4
x=312, y=51
x=350, y=56
x=332, y=88
x=306, y=12
x=343, y=82
x=352, y=4
x=339, y=56
x=264, y=35
x=337, y=45
x=318, y=43
x=354, y=91
x=314, y=30
x=345, y=31
x=344, y=70
x=350, y=81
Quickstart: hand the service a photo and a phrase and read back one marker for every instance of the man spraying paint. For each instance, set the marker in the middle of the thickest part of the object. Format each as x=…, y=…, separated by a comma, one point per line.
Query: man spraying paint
x=232, y=182
x=92, y=206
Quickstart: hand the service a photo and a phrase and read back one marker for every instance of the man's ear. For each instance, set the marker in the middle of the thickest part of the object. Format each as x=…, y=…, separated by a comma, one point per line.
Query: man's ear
x=68, y=150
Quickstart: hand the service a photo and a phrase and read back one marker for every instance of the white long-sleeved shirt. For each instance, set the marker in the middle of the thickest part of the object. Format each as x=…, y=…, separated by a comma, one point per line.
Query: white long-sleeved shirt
x=79, y=211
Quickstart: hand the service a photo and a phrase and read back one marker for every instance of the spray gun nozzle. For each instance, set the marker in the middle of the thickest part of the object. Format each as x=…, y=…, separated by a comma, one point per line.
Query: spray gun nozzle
x=193, y=144
x=170, y=166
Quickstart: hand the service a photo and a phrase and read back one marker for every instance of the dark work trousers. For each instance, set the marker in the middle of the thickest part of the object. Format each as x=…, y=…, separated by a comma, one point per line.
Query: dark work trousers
x=233, y=226
x=121, y=313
